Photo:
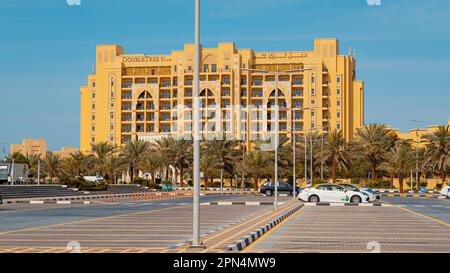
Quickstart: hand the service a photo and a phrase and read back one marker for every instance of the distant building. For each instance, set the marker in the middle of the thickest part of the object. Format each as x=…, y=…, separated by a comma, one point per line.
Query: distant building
x=39, y=147
x=416, y=134
x=31, y=147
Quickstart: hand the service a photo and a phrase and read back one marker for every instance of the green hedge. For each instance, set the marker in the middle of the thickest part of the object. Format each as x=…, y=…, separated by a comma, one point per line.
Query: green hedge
x=146, y=183
x=376, y=184
x=83, y=185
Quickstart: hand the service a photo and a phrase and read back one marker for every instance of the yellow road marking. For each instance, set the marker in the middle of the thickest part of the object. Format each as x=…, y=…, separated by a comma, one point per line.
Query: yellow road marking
x=422, y=215
x=232, y=228
x=257, y=241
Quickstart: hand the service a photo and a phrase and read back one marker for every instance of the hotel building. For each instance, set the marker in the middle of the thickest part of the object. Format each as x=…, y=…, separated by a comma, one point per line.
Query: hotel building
x=136, y=96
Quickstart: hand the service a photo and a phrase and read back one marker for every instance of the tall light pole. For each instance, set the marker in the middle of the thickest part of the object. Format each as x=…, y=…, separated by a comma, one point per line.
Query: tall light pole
x=417, y=150
x=196, y=126
x=276, y=137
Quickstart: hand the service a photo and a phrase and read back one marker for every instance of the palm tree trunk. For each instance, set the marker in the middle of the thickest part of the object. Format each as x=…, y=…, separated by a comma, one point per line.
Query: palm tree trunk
x=334, y=171
x=392, y=180
x=400, y=183
x=374, y=172
x=206, y=183
x=181, y=176
x=255, y=181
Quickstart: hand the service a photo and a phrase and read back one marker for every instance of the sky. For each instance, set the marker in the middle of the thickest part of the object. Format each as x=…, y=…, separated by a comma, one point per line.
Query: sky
x=47, y=48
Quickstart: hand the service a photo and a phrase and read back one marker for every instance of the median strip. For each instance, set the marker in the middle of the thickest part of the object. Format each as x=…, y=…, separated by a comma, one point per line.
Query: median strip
x=253, y=236
x=237, y=203
x=347, y=204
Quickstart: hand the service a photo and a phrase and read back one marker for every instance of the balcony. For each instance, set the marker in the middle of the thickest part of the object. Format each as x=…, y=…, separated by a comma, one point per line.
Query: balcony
x=325, y=83
x=297, y=81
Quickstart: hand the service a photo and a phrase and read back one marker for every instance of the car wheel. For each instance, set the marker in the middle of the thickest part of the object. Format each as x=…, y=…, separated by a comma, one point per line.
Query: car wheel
x=313, y=199
x=355, y=199
x=268, y=193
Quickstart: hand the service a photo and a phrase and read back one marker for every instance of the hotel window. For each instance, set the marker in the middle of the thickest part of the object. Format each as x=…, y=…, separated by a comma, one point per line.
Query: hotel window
x=313, y=113
x=111, y=127
x=189, y=68
x=338, y=103
x=93, y=128
x=93, y=95
x=93, y=106
x=112, y=82
x=93, y=84
x=112, y=94
x=93, y=139
x=205, y=67
x=243, y=92
x=227, y=67
x=313, y=101
x=93, y=117
x=112, y=104
x=338, y=114
x=111, y=115
x=111, y=138
x=338, y=91
x=313, y=92
x=338, y=126
x=175, y=68
x=338, y=79
x=313, y=79
x=214, y=68
x=313, y=125
x=298, y=92
x=283, y=127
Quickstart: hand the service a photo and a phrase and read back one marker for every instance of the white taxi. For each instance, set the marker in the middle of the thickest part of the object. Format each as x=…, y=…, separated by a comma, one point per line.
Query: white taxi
x=332, y=193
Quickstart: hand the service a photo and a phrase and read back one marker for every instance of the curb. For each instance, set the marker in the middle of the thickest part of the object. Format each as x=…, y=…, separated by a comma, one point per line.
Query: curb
x=246, y=203
x=416, y=195
x=54, y=202
x=253, y=236
x=89, y=197
x=347, y=204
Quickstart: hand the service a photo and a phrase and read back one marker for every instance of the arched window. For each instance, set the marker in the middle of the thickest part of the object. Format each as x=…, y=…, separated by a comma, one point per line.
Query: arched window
x=280, y=93
x=145, y=95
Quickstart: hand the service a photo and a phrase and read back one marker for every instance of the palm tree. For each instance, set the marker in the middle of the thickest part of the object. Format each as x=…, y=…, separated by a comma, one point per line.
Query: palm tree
x=180, y=155
x=76, y=164
x=52, y=165
x=151, y=163
x=18, y=158
x=114, y=165
x=33, y=161
x=132, y=154
x=101, y=151
x=400, y=160
x=227, y=151
x=372, y=143
x=257, y=164
x=210, y=165
x=437, y=152
x=335, y=150
x=164, y=146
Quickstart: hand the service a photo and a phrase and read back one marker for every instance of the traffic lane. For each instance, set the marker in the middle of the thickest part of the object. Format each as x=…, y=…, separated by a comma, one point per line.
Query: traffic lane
x=148, y=231
x=355, y=229
x=432, y=207
x=20, y=219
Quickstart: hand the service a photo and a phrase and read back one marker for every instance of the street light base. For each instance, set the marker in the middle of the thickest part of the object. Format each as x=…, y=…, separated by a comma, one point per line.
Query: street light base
x=200, y=246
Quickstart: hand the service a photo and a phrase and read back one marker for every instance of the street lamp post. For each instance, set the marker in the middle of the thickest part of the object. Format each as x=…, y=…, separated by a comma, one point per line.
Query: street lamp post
x=196, y=126
x=276, y=137
x=417, y=150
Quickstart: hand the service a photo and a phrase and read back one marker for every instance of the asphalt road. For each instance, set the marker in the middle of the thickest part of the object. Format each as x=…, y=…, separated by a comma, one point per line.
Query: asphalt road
x=354, y=229
x=28, y=216
x=432, y=207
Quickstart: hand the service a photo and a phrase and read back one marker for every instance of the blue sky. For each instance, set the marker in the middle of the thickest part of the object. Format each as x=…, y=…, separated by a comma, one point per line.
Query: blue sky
x=47, y=49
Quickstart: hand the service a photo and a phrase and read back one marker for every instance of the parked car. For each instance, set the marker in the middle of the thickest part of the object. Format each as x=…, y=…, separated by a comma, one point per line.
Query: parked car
x=445, y=190
x=372, y=194
x=167, y=187
x=1, y=198
x=332, y=193
x=269, y=188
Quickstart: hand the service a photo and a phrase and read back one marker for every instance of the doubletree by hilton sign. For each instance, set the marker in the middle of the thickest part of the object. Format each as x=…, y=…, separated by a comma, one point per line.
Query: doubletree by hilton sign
x=145, y=59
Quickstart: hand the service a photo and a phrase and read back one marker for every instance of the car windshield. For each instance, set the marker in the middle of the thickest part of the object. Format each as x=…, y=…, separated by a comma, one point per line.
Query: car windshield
x=350, y=187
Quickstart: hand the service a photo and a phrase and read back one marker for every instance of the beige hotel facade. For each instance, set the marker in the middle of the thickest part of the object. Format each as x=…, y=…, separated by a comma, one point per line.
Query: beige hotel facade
x=136, y=96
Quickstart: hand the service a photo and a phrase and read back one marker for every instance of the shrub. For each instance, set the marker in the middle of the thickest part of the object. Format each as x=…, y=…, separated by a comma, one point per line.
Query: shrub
x=146, y=183
x=83, y=185
x=376, y=184
x=318, y=181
